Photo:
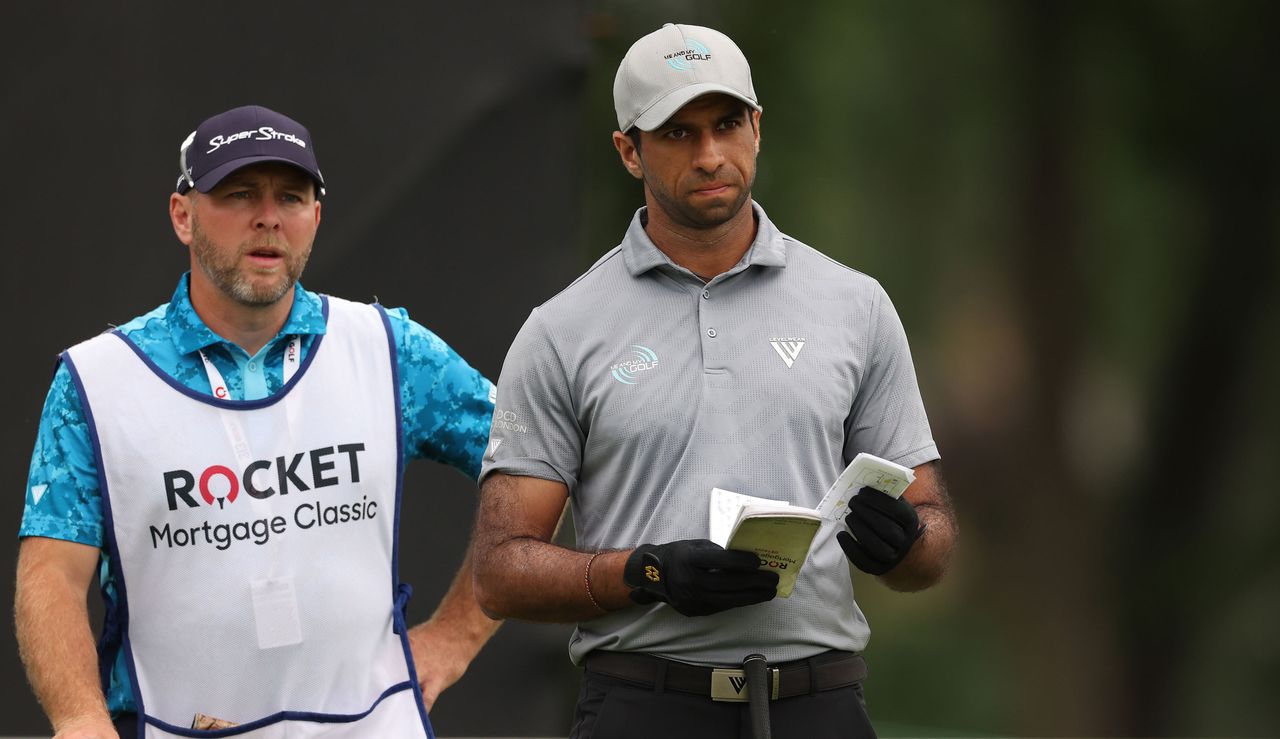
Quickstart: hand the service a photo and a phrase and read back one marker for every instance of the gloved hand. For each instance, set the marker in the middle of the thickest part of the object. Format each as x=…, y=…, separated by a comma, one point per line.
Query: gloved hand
x=697, y=577
x=884, y=529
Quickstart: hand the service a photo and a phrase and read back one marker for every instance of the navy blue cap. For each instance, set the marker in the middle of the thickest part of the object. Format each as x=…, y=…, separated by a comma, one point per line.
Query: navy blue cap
x=240, y=137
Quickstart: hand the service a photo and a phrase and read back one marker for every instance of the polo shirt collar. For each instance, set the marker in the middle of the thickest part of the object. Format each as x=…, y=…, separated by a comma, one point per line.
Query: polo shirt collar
x=641, y=255
x=190, y=334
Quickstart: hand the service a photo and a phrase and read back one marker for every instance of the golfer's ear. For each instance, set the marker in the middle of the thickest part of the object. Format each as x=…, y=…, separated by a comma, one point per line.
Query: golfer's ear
x=629, y=154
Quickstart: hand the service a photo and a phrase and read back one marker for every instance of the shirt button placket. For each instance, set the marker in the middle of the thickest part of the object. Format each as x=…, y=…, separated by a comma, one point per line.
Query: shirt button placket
x=707, y=318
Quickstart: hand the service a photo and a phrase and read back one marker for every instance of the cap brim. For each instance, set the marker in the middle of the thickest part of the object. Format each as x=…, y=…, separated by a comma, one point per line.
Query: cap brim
x=210, y=179
x=666, y=106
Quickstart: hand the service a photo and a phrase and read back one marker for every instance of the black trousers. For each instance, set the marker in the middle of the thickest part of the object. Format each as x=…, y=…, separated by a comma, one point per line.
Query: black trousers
x=609, y=708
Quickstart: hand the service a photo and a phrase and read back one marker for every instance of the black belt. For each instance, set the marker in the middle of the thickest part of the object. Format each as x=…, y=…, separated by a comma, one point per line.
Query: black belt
x=826, y=671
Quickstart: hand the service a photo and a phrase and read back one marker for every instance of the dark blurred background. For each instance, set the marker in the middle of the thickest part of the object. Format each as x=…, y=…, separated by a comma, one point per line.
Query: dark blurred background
x=1075, y=207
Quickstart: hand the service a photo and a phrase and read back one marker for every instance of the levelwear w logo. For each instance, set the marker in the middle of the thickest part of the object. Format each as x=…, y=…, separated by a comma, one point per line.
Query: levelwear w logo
x=737, y=682
x=788, y=349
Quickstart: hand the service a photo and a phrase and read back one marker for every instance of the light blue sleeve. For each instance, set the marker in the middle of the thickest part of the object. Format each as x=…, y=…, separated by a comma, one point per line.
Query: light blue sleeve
x=63, y=498
x=446, y=405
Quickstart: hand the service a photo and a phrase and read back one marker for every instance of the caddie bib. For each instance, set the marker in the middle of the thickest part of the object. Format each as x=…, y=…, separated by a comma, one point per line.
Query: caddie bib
x=255, y=541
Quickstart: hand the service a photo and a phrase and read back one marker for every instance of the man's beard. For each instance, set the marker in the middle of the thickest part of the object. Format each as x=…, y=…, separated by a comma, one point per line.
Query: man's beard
x=225, y=272
x=685, y=214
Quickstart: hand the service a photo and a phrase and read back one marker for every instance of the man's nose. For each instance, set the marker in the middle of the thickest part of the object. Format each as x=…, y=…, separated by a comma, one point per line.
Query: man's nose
x=709, y=155
x=268, y=216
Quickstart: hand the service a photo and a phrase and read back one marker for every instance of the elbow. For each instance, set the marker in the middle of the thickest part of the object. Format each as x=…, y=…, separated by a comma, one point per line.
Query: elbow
x=489, y=597
x=925, y=567
x=907, y=580
x=491, y=607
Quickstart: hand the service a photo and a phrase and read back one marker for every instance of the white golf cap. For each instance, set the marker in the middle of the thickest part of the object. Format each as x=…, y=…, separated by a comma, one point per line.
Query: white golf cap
x=673, y=65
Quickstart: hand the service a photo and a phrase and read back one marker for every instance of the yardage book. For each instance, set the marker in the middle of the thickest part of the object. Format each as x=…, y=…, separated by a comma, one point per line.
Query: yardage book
x=779, y=533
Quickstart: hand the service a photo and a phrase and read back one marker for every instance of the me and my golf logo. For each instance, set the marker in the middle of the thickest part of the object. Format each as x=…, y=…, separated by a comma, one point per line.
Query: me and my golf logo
x=629, y=370
x=682, y=59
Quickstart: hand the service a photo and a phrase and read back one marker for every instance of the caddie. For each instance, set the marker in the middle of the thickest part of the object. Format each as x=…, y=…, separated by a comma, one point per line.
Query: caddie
x=229, y=465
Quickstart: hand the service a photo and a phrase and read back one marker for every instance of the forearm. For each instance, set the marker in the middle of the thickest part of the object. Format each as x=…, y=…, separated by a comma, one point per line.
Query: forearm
x=538, y=581
x=459, y=615
x=929, y=559
x=55, y=643
x=519, y=573
x=444, y=645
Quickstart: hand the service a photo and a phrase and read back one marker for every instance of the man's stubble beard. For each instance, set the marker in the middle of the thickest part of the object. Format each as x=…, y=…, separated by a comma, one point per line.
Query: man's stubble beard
x=227, y=277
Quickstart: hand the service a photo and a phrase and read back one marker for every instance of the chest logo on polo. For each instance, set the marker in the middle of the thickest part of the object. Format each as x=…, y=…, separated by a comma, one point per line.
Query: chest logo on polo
x=628, y=371
x=788, y=349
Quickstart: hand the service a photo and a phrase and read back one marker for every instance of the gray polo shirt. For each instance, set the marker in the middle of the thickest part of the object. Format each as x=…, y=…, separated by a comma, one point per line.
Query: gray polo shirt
x=641, y=388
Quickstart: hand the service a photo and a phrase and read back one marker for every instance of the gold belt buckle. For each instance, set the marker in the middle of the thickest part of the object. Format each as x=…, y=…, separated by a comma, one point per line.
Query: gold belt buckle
x=730, y=684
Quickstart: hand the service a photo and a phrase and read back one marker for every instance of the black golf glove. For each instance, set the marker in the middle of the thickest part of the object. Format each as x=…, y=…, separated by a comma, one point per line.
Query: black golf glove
x=884, y=529
x=697, y=577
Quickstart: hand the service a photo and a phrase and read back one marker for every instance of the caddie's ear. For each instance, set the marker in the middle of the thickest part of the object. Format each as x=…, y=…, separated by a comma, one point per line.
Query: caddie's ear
x=629, y=154
x=181, y=215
